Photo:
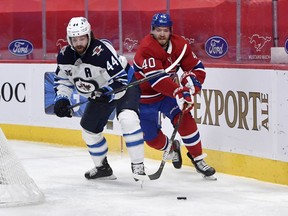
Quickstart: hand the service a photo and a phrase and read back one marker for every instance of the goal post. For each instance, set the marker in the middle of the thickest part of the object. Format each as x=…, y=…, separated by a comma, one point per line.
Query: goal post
x=16, y=186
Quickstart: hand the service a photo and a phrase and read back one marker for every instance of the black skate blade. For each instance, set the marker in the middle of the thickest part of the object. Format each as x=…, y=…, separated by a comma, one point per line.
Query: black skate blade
x=111, y=177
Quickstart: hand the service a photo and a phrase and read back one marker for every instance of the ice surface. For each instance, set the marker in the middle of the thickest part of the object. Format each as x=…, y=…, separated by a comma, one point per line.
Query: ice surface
x=59, y=173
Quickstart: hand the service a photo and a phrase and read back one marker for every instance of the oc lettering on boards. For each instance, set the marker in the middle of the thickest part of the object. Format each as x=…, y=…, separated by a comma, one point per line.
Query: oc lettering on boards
x=11, y=92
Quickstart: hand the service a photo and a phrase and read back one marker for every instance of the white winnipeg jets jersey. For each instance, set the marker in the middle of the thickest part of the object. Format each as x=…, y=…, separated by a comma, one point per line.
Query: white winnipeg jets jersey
x=98, y=67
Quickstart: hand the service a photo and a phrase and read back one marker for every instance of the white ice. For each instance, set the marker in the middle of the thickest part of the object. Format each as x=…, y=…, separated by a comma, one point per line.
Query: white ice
x=59, y=172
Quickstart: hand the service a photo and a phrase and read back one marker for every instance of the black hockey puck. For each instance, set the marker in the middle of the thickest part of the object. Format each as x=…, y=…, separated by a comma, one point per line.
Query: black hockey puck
x=181, y=198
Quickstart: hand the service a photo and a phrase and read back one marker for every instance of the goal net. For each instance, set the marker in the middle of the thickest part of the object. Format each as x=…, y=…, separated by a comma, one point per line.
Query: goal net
x=16, y=187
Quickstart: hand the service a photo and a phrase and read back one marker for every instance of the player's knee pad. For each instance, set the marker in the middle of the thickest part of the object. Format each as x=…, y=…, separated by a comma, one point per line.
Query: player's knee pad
x=91, y=138
x=129, y=121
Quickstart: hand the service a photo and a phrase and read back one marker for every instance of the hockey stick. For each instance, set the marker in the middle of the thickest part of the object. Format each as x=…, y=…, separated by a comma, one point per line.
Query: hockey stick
x=167, y=70
x=122, y=88
x=166, y=153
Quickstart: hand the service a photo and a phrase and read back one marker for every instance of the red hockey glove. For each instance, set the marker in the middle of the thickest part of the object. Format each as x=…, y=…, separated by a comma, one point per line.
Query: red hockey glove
x=183, y=98
x=189, y=80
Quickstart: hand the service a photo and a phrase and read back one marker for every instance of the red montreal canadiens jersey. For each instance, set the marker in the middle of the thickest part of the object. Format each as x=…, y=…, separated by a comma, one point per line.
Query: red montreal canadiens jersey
x=151, y=58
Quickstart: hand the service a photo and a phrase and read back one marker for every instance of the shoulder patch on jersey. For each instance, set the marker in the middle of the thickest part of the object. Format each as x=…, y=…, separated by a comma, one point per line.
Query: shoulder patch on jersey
x=97, y=50
x=68, y=72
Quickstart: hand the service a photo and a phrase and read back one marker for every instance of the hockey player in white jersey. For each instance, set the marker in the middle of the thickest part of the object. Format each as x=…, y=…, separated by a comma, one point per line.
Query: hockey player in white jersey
x=94, y=69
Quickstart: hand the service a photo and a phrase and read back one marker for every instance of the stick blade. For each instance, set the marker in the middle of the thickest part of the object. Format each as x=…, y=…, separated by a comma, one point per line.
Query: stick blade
x=153, y=176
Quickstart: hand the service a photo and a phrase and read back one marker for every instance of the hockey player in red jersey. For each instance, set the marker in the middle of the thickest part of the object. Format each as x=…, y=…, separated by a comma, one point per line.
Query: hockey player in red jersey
x=156, y=52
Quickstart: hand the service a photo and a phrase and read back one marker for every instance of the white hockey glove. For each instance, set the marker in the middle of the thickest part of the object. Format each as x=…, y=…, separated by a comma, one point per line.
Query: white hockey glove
x=183, y=98
x=189, y=80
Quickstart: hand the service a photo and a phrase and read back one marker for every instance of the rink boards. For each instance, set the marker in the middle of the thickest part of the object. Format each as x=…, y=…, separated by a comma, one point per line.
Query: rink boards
x=241, y=114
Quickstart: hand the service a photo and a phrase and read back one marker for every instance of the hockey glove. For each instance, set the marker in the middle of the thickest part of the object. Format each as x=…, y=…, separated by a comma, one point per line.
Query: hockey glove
x=183, y=98
x=61, y=107
x=189, y=80
x=102, y=95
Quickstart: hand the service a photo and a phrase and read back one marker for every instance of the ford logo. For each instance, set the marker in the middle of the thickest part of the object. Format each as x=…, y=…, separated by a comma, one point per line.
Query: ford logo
x=216, y=47
x=20, y=47
x=286, y=46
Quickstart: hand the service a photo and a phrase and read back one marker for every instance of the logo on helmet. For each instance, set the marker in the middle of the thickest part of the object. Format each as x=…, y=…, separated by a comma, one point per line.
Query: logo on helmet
x=161, y=20
x=216, y=47
x=20, y=47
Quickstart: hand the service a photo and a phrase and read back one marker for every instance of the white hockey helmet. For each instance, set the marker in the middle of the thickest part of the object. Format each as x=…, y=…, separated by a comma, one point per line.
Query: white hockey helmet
x=78, y=26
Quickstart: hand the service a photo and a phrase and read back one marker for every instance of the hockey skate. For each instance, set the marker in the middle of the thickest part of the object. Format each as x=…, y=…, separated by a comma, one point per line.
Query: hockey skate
x=138, y=169
x=177, y=158
x=201, y=167
x=103, y=172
